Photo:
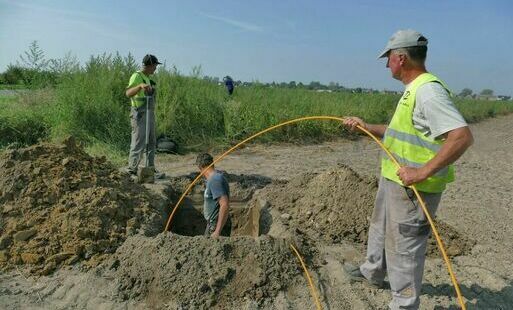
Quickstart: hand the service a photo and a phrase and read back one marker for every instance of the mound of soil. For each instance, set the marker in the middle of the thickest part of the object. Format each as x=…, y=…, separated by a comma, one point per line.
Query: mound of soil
x=59, y=205
x=178, y=272
x=337, y=205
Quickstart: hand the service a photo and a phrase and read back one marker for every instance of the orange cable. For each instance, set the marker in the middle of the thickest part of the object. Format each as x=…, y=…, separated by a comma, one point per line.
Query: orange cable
x=310, y=282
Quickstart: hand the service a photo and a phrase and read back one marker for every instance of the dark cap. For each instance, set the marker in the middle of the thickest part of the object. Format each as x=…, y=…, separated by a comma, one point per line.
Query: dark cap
x=150, y=60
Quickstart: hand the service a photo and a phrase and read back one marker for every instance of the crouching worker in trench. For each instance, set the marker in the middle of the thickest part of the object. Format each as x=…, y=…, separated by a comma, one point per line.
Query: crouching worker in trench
x=426, y=135
x=216, y=205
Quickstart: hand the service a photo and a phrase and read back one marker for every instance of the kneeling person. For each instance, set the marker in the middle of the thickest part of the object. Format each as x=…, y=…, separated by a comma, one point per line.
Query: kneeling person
x=216, y=204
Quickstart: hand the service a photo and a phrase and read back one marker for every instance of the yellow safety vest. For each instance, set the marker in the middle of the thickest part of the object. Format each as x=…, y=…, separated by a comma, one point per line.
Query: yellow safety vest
x=139, y=99
x=409, y=146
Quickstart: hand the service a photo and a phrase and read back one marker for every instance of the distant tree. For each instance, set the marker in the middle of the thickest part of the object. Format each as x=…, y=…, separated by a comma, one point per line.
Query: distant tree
x=333, y=86
x=65, y=65
x=465, y=92
x=292, y=84
x=314, y=85
x=34, y=58
x=13, y=75
x=487, y=92
x=211, y=79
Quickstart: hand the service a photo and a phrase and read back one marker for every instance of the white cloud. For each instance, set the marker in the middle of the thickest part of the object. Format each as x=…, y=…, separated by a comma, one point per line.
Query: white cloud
x=241, y=25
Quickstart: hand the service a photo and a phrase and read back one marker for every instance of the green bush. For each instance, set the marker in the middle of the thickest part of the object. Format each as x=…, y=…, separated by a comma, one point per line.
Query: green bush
x=22, y=120
x=91, y=104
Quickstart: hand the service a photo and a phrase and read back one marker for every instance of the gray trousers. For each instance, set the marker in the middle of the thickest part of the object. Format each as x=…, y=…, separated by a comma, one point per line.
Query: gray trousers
x=138, y=141
x=397, y=242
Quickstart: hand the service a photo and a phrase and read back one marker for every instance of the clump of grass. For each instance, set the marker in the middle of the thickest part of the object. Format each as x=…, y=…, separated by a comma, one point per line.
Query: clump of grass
x=24, y=121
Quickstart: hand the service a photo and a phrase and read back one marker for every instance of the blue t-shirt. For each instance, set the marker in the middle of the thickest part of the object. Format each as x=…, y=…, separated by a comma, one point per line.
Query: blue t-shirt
x=216, y=187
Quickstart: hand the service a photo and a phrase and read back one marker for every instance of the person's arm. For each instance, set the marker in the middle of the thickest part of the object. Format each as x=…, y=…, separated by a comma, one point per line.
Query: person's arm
x=136, y=84
x=376, y=129
x=130, y=92
x=224, y=206
x=456, y=143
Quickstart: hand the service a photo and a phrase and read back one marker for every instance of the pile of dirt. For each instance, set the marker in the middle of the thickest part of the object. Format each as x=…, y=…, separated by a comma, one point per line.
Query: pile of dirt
x=59, y=205
x=178, y=272
x=337, y=205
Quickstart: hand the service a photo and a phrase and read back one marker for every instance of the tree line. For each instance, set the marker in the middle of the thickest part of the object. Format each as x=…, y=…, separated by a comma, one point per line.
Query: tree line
x=34, y=70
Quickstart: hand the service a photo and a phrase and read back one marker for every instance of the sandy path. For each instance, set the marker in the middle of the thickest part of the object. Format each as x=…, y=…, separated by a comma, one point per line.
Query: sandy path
x=477, y=204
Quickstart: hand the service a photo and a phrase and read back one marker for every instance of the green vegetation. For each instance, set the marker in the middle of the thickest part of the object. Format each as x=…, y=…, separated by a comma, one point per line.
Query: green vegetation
x=89, y=103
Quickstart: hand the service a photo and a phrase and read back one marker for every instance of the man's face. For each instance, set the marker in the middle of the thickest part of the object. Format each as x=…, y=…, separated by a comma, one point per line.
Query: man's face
x=152, y=68
x=395, y=62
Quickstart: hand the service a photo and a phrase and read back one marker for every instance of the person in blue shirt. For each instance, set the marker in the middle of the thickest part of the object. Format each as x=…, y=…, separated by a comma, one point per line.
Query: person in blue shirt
x=216, y=204
x=228, y=82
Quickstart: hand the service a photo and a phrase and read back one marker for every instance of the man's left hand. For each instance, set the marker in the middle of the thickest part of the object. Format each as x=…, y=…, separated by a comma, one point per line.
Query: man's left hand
x=411, y=175
x=214, y=235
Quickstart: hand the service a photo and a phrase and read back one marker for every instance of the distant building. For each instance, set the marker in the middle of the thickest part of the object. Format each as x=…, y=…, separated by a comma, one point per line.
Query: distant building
x=391, y=92
x=487, y=97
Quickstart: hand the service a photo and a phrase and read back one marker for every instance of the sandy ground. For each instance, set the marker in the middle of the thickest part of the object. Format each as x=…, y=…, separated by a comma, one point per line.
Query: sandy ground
x=477, y=205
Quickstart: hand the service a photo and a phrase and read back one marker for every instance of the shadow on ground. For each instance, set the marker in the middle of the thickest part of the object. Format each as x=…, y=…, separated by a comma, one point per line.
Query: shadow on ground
x=478, y=297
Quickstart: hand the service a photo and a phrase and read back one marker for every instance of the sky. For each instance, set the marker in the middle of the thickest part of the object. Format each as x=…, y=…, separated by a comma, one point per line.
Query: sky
x=470, y=42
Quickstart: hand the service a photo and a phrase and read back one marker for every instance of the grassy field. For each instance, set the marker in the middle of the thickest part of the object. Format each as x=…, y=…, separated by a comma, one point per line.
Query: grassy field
x=90, y=104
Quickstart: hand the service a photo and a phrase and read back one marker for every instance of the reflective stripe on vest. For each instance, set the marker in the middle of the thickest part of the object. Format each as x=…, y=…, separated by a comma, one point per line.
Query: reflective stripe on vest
x=405, y=162
x=409, y=146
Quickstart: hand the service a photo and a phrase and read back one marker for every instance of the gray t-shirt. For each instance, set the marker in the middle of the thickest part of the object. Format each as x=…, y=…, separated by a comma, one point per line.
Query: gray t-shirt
x=216, y=187
x=435, y=114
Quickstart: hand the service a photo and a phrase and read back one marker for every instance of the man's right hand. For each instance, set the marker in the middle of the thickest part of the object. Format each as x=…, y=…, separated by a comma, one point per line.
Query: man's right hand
x=352, y=121
x=145, y=87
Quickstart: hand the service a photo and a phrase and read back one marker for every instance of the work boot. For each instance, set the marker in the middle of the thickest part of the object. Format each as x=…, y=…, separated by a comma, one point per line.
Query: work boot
x=355, y=275
x=130, y=171
x=159, y=175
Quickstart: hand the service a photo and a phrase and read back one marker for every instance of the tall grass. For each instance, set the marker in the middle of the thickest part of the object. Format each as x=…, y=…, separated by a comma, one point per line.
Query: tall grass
x=90, y=104
x=24, y=118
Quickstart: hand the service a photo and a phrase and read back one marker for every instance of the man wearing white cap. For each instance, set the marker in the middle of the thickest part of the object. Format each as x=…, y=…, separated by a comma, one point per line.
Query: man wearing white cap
x=426, y=135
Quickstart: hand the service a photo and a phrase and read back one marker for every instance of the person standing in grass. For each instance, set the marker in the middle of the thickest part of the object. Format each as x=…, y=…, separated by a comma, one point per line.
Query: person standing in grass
x=228, y=82
x=142, y=90
x=216, y=205
x=426, y=135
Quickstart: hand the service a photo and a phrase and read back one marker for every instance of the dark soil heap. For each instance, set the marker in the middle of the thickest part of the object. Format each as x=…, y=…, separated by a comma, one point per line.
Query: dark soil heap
x=179, y=272
x=58, y=205
x=337, y=205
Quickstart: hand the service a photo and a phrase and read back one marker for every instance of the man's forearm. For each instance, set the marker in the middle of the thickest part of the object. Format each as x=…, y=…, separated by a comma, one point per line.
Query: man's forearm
x=132, y=91
x=223, y=213
x=457, y=142
x=377, y=130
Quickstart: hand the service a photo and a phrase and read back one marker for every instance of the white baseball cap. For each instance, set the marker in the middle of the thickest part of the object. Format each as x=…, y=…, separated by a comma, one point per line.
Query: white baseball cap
x=404, y=38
